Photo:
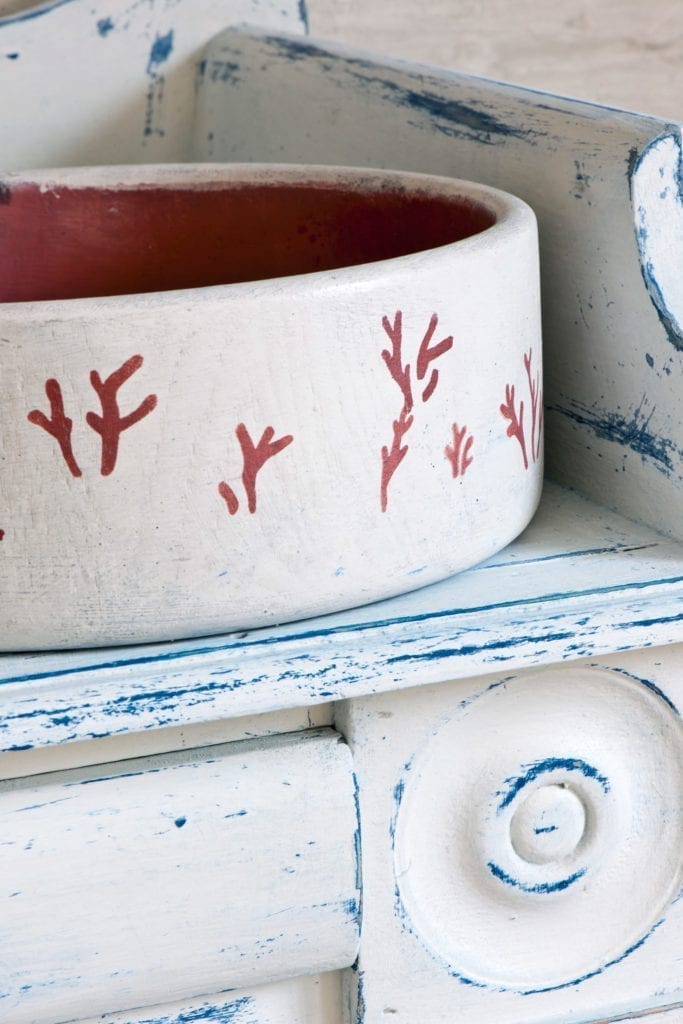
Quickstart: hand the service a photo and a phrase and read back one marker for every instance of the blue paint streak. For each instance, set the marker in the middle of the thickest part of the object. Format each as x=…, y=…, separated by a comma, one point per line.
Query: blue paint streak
x=303, y=15
x=357, y=841
x=666, y=317
x=541, y=888
x=599, y=970
x=225, y=1013
x=161, y=50
x=550, y=764
x=632, y=433
x=12, y=56
x=169, y=656
x=447, y=116
x=544, y=829
x=650, y=685
x=236, y=814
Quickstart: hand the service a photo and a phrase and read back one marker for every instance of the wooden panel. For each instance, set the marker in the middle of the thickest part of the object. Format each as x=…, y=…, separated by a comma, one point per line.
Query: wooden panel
x=523, y=845
x=126, y=74
x=166, y=878
x=580, y=582
x=316, y=999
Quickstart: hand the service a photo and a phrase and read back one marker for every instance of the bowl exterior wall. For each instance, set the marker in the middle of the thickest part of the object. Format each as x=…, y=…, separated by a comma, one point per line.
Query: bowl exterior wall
x=195, y=462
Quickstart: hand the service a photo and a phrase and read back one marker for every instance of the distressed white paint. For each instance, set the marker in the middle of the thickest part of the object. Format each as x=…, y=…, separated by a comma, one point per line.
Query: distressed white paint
x=581, y=581
x=113, y=80
x=613, y=369
x=458, y=925
x=150, y=551
x=315, y=999
x=124, y=886
x=124, y=746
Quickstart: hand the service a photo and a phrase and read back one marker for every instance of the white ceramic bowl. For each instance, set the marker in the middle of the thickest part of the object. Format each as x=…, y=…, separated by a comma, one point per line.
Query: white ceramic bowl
x=234, y=395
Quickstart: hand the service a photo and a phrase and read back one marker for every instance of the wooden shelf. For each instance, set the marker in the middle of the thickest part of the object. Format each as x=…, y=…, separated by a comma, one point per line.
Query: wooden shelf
x=580, y=582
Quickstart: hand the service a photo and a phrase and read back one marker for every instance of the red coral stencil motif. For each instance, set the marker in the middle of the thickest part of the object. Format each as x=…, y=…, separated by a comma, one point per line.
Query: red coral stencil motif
x=110, y=425
x=58, y=425
x=393, y=456
x=458, y=453
x=254, y=457
x=516, y=427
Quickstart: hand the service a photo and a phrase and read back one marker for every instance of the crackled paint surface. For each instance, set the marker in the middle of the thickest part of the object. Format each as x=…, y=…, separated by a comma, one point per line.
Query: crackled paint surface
x=214, y=434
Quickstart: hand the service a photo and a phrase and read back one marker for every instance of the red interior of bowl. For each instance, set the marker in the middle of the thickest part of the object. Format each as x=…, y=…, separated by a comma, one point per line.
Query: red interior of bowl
x=63, y=243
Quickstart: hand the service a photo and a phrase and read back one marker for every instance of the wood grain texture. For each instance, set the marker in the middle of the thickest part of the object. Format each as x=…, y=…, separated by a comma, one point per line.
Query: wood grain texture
x=580, y=582
x=161, y=879
x=315, y=999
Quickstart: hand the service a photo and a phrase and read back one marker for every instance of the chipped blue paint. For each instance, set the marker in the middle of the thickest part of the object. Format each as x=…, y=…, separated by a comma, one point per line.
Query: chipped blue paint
x=600, y=970
x=540, y=888
x=105, y=26
x=170, y=655
x=357, y=840
x=444, y=115
x=232, y=1012
x=548, y=765
x=12, y=56
x=632, y=431
x=303, y=15
x=667, y=317
x=649, y=685
x=161, y=50
x=179, y=822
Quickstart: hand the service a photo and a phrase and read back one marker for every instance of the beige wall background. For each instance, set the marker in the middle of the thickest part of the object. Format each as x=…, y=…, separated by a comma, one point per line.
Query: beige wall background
x=624, y=53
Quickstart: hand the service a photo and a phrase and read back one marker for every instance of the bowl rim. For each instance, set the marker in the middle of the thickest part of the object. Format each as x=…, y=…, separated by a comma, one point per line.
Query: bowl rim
x=511, y=214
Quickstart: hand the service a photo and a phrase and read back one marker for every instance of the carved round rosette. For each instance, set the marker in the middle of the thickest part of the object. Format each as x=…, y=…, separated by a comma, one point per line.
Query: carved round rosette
x=538, y=837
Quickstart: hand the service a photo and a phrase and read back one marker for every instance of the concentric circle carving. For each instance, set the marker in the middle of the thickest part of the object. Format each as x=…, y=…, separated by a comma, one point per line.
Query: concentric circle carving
x=538, y=837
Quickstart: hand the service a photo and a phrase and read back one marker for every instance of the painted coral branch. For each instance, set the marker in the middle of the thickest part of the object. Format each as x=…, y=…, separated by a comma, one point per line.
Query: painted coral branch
x=394, y=359
x=427, y=355
x=516, y=425
x=458, y=453
x=255, y=456
x=58, y=425
x=229, y=497
x=536, y=396
x=110, y=425
x=393, y=457
x=401, y=374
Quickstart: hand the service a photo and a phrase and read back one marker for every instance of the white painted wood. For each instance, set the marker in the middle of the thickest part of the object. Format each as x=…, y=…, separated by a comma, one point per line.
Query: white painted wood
x=580, y=582
x=77, y=754
x=613, y=361
x=165, y=878
x=674, y=1015
x=113, y=80
x=459, y=922
x=308, y=1000
x=434, y=435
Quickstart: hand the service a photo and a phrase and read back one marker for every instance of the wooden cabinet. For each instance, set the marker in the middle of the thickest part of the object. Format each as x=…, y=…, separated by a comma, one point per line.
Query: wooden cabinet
x=465, y=803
